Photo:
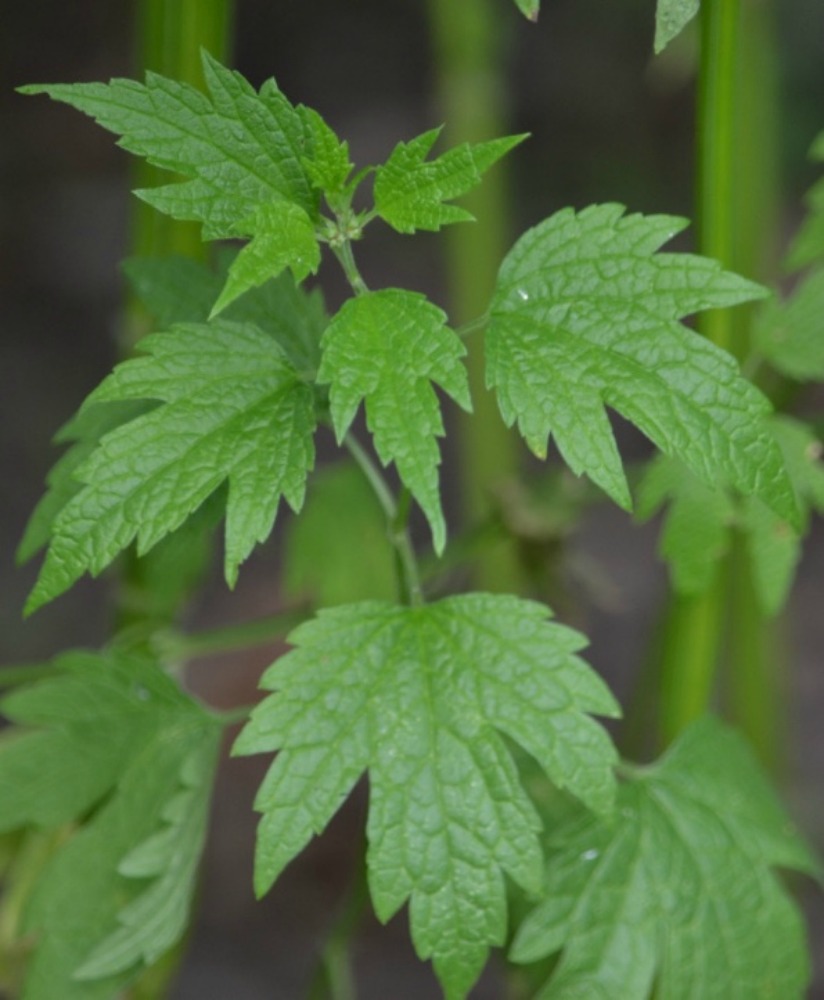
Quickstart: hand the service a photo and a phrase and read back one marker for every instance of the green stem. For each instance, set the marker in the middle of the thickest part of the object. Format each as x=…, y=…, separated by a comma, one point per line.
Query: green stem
x=409, y=582
x=467, y=44
x=175, y=646
x=333, y=979
x=346, y=257
x=170, y=37
x=736, y=173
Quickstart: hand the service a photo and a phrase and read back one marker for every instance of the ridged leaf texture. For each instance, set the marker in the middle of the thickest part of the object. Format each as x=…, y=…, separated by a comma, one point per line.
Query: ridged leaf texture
x=388, y=348
x=233, y=411
x=412, y=192
x=238, y=148
x=586, y=315
x=419, y=697
x=678, y=896
x=112, y=744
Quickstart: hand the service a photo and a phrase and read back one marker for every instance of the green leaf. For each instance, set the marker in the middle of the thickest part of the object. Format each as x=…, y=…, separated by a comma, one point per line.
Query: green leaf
x=83, y=433
x=790, y=334
x=671, y=17
x=169, y=860
x=585, y=316
x=109, y=742
x=178, y=290
x=410, y=191
x=531, y=8
x=387, y=348
x=808, y=246
x=240, y=149
x=696, y=532
x=700, y=520
x=678, y=891
x=234, y=410
x=282, y=236
x=329, y=166
x=338, y=550
x=419, y=696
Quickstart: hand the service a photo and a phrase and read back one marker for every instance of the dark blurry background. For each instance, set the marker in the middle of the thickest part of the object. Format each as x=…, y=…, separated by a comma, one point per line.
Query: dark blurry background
x=608, y=123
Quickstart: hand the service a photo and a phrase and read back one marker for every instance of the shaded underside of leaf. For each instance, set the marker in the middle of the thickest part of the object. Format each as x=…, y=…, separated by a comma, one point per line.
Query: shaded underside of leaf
x=679, y=889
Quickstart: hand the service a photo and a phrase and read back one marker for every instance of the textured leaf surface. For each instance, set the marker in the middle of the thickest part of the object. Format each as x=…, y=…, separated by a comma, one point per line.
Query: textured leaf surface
x=387, y=348
x=234, y=410
x=586, y=315
x=239, y=149
x=419, y=697
x=700, y=520
x=329, y=165
x=671, y=17
x=114, y=735
x=283, y=236
x=790, y=334
x=808, y=246
x=169, y=860
x=82, y=433
x=411, y=191
x=679, y=890
x=338, y=551
x=177, y=290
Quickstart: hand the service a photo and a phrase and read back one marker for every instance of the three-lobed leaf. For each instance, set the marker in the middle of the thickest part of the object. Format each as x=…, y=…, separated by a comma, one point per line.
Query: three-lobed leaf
x=387, y=348
x=233, y=410
x=586, y=315
x=110, y=743
x=419, y=697
x=411, y=192
x=678, y=892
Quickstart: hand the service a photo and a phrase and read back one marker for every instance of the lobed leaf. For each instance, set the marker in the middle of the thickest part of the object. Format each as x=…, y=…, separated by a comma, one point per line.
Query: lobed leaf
x=678, y=893
x=238, y=148
x=283, y=236
x=411, y=191
x=107, y=743
x=234, y=410
x=586, y=315
x=419, y=697
x=387, y=348
x=178, y=290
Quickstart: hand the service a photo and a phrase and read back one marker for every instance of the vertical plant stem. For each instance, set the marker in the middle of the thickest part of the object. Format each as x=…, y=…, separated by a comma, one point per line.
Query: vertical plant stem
x=735, y=210
x=170, y=37
x=409, y=581
x=466, y=38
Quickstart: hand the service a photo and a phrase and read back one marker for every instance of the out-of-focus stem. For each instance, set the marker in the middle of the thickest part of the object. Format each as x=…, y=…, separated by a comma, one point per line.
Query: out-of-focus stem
x=736, y=196
x=467, y=43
